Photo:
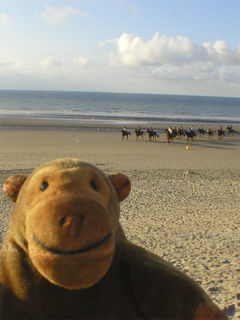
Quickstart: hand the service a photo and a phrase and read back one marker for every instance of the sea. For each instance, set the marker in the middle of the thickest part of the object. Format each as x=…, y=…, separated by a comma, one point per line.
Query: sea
x=118, y=108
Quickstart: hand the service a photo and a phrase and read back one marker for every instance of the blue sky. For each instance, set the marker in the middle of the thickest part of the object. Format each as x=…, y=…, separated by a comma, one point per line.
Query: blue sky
x=142, y=46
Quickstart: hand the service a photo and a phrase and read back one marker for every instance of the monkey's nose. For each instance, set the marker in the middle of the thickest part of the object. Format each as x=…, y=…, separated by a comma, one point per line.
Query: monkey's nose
x=67, y=221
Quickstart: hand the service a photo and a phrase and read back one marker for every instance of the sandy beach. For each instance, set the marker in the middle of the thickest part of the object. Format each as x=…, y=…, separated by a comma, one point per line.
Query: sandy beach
x=184, y=204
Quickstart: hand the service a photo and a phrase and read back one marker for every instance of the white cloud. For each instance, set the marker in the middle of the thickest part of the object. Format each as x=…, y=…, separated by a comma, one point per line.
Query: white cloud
x=133, y=51
x=162, y=64
x=21, y=65
x=220, y=54
x=5, y=20
x=14, y=65
x=178, y=63
x=49, y=62
x=205, y=76
x=58, y=15
x=82, y=61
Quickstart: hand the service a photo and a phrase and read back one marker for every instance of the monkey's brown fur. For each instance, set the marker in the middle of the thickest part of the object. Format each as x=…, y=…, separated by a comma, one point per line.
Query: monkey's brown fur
x=65, y=255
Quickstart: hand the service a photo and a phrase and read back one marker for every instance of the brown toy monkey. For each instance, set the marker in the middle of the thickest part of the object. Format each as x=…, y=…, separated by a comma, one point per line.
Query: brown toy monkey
x=65, y=255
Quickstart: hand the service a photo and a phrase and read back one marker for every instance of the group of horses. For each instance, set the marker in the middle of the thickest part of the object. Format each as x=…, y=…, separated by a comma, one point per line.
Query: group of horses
x=152, y=135
x=179, y=133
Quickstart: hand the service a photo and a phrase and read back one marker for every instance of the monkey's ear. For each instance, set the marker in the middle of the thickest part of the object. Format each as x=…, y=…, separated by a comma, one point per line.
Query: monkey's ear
x=121, y=184
x=12, y=186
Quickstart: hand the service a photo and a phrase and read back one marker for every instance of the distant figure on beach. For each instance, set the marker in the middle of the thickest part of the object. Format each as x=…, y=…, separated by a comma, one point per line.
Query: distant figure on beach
x=230, y=130
x=169, y=135
x=174, y=132
x=180, y=132
x=139, y=133
x=221, y=133
x=125, y=133
x=152, y=135
x=201, y=131
x=190, y=133
x=210, y=132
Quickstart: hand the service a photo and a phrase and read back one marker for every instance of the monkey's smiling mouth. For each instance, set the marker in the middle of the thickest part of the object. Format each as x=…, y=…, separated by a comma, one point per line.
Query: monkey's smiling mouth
x=73, y=252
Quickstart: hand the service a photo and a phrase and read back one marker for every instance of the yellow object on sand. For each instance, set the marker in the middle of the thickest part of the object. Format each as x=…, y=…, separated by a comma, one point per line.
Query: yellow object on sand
x=187, y=147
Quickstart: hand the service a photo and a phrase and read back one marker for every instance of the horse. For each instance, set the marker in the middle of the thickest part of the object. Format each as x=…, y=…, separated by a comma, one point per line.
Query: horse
x=139, y=133
x=180, y=133
x=209, y=133
x=230, y=130
x=175, y=132
x=201, y=132
x=152, y=135
x=190, y=134
x=220, y=134
x=125, y=133
x=170, y=136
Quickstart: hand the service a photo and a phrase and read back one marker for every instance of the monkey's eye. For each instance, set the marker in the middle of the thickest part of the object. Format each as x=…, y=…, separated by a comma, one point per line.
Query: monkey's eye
x=43, y=185
x=94, y=185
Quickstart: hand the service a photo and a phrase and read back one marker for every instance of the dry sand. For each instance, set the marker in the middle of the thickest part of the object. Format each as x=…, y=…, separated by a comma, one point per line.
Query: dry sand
x=184, y=204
